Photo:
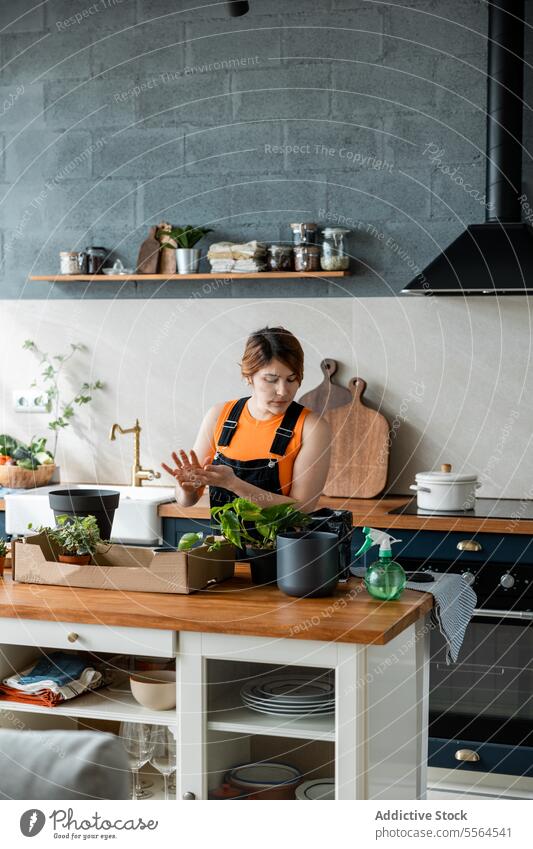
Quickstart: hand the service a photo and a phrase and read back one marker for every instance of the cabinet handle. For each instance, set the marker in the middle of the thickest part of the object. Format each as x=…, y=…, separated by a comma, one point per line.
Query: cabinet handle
x=466, y=755
x=469, y=545
x=188, y=795
x=72, y=637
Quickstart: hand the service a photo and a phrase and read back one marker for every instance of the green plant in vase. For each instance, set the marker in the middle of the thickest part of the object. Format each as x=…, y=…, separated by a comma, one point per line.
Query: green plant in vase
x=185, y=238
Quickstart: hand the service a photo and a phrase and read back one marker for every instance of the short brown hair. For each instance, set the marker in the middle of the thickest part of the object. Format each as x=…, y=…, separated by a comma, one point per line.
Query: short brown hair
x=272, y=343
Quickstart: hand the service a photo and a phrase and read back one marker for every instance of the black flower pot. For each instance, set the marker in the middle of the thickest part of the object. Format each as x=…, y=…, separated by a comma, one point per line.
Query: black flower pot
x=100, y=503
x=262, y=565
x=308, y=563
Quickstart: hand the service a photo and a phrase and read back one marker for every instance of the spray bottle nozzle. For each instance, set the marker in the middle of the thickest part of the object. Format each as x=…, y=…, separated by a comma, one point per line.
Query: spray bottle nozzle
x=373, y=536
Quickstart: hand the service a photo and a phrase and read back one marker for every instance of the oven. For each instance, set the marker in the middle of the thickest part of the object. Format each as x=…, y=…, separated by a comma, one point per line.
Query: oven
x=481, y=708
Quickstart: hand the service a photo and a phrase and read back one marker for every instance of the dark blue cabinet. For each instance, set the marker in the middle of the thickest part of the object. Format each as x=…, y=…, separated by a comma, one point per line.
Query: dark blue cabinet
x=173, y=529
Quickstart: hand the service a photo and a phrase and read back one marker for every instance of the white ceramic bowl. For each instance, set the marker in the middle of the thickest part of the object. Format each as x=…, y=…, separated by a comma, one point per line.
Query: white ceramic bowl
x=155, y=690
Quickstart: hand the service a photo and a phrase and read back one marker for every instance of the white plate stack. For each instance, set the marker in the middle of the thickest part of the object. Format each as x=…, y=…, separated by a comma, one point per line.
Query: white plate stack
x=290, y=695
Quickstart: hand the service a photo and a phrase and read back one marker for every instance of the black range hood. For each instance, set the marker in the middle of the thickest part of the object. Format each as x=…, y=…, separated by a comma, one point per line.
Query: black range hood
x=494, y=258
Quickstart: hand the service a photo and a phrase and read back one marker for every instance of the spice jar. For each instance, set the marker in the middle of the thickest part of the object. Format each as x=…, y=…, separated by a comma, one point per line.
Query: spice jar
x=304, y=233
x=96, y=258
x=279, y=258
x=307, y=258
x=68, y=262
x=334, y=256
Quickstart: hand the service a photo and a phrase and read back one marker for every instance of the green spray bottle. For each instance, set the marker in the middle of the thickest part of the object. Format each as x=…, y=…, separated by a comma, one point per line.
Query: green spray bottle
x=384, y=579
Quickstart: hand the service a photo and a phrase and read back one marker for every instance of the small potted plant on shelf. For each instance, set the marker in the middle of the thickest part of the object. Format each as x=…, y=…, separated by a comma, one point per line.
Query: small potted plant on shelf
x=76, y=537
x=188, y=257
x=253, y=529
x=3, y=554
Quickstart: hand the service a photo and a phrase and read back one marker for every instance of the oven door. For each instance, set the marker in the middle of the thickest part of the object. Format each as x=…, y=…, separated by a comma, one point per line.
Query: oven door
x=481, y=708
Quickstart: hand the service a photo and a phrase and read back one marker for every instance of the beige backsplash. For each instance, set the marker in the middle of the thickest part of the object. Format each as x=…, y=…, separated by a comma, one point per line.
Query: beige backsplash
x=453, y=377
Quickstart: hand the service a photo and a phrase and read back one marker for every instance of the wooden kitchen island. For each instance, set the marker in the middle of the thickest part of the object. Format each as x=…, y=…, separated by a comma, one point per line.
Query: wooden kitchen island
x=375, y=744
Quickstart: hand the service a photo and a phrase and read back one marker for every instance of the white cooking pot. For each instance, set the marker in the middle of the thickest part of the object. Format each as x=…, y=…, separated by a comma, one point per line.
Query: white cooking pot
x=445, y=490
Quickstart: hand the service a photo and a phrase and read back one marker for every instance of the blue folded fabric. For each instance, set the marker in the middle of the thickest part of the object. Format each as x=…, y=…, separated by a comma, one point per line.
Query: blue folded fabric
x=59, y=667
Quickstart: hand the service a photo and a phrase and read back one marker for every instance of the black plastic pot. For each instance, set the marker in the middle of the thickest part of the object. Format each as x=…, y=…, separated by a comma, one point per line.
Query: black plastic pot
x=308, y=563
x=100, y=503
x=262, y=565
x=339, y=522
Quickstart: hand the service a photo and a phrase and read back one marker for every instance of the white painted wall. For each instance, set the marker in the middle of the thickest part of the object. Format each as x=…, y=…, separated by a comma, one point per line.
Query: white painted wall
x=453, y=377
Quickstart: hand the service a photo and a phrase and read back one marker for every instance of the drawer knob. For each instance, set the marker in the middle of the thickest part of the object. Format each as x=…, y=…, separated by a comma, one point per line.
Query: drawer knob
x=72, y=637
x=466, y=755
x=469, y=545
x=189, y=795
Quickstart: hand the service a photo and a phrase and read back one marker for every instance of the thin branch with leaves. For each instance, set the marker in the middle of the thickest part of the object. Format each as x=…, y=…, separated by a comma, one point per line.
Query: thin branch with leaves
x=52, y=369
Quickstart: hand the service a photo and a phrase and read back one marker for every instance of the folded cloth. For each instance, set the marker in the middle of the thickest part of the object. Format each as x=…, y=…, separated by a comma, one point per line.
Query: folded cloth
x=89, y=678
x=53, y=679
x=59, y=667
x=46, y=698
x=229, y=250
x=455, y=602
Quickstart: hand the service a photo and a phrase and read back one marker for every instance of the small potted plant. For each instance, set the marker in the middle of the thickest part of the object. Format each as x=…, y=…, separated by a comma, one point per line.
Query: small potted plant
x=3, y=554
x=253, y=529
x=188, y=257
x=77, y=538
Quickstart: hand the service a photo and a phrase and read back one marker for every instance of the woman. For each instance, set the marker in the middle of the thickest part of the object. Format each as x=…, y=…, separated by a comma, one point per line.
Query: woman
x=265, y=447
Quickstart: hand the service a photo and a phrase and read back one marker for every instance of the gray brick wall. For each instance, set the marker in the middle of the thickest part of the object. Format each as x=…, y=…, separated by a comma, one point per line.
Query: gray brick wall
x=141, y=110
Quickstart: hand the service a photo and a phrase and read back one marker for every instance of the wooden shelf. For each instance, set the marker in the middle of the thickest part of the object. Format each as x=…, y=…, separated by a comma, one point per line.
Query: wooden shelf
x=125, y=278
x=110, y=703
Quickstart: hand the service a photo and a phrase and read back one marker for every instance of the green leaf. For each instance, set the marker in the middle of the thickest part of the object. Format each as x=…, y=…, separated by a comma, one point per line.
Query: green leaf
x=188, y=541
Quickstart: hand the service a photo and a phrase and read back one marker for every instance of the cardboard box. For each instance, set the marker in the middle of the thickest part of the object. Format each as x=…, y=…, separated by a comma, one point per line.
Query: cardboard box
x=123, y=567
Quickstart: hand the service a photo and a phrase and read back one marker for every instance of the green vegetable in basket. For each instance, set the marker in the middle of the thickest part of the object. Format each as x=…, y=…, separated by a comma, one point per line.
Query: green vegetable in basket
x=8, y=444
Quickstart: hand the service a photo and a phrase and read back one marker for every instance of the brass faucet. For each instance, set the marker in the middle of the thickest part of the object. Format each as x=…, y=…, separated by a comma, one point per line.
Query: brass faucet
x=138, y=474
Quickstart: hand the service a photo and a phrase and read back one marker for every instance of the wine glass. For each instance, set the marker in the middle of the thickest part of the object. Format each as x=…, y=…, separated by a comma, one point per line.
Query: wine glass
x=137, y=740
x=163, y=752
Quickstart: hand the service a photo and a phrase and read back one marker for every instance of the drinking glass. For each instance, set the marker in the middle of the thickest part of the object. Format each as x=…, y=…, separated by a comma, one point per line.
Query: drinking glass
x=163, y=753
x=137, y=740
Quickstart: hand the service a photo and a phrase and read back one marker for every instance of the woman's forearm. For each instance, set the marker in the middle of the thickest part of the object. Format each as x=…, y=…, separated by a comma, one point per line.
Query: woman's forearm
x=265, y=499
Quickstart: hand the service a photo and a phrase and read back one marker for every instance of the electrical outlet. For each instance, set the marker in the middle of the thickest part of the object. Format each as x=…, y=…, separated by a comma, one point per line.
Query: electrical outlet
x=29, y=401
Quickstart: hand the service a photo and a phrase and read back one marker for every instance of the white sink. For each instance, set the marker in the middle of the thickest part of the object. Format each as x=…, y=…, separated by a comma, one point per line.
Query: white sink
x=136, y=521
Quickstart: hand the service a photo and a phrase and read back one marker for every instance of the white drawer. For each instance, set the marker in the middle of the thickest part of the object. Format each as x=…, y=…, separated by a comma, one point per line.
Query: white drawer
x=116, y=639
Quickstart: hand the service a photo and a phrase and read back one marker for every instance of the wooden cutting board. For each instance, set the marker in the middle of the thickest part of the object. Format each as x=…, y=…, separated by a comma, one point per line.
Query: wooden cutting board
x=326, y=396
x=359, y=449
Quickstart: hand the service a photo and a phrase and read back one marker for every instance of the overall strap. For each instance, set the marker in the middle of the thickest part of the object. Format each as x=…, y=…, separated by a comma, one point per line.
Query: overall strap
x=285, y=431
x=230, y=425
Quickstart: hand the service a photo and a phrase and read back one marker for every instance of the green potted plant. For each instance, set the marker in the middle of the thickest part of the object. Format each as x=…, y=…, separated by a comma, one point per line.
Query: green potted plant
x=76, y=537
x=254, y=529
x=187, y=256
x=3, y=554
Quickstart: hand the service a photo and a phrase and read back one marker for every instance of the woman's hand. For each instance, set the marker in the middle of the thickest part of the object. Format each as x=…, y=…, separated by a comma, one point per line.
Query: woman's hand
x=220, y=475
x=187, y=472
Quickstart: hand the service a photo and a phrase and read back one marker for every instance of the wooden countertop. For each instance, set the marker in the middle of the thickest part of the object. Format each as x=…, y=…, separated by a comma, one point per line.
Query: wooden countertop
x=234, y=607
x=375, y=513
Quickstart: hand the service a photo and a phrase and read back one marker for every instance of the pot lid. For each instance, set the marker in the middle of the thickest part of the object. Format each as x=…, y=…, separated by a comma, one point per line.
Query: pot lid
x=444, y=477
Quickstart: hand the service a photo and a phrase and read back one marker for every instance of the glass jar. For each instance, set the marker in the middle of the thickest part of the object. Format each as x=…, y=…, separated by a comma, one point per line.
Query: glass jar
x=304, y=233
x=96, y=258
x=68, y=262
x=334, y=256
x=307, y=258
x=280, y=258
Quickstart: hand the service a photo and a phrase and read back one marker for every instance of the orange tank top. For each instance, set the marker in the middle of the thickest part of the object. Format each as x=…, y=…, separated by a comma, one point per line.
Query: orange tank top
x=253, y=438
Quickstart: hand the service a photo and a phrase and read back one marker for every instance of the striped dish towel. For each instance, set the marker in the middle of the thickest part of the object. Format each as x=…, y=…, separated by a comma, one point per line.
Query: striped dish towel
x=455, y=602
